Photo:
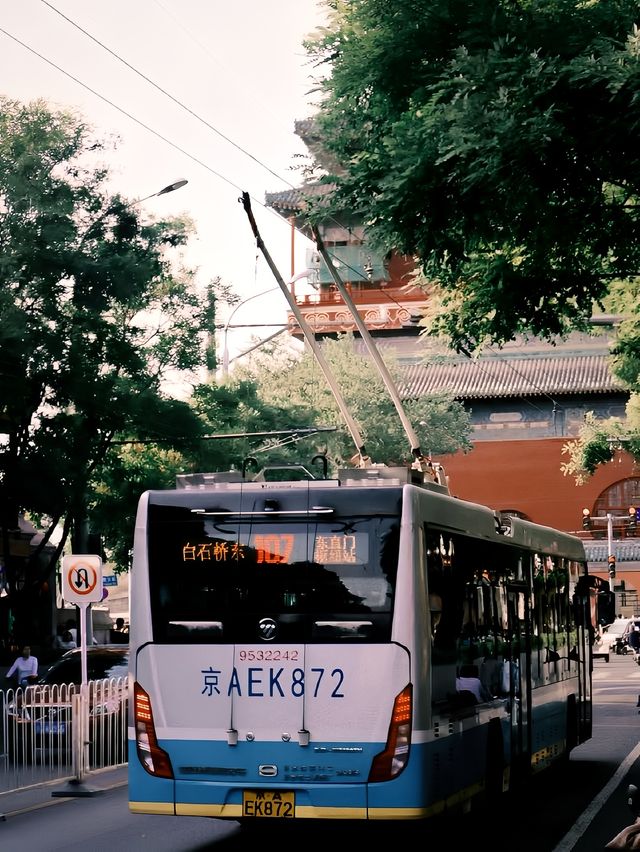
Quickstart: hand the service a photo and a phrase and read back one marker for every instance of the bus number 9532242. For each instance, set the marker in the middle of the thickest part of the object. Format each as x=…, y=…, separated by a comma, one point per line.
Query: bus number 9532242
x=268, y=655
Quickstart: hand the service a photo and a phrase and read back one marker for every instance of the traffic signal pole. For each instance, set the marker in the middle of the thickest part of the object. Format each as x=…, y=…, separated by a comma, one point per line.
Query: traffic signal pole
x=631, y=518
x=612, y=555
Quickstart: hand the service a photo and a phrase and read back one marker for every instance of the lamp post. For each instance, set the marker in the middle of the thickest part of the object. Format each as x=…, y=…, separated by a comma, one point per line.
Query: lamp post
x=631, y=518
x=306, y=273
x=225, y=332
x=80, y=528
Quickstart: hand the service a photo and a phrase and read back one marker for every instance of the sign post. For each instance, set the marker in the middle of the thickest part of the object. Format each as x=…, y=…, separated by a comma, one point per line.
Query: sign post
x=82, y=585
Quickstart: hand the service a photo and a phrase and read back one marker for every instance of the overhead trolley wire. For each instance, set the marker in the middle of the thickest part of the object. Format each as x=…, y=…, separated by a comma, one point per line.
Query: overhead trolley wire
x=192, y=157
x=191, y=112
x=167, y=94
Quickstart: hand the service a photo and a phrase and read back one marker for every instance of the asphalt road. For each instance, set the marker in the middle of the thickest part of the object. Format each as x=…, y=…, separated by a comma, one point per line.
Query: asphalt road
x=577, y=810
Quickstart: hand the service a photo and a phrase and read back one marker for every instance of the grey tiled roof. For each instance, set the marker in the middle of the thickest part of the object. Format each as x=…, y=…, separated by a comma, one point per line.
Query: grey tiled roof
x=625, y=551
x=294, y=199
x=486, y=378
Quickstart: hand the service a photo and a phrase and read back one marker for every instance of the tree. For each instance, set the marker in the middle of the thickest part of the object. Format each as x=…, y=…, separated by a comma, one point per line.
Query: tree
x=96, y=308
x=131, y=467
x=598, y=439
x=127, y=472
x=495, y=140
x=242, y=406
x=439, y=420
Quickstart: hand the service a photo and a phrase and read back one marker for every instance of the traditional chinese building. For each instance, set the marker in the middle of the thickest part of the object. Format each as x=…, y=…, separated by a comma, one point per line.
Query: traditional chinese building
x=526, y=400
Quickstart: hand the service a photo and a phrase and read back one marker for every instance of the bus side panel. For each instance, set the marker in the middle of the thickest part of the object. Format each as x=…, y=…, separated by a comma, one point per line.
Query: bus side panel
x=441, y=774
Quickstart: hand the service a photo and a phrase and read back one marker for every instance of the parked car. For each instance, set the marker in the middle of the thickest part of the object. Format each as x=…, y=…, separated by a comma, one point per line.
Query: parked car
x=103, y=661
x=614, y=638
x=40, y=718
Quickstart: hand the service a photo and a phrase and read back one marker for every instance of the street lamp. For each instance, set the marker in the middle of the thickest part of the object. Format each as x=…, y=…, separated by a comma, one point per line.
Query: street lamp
x=306, y=273
x=113, y=205
x=177, y=184
x=225, y=350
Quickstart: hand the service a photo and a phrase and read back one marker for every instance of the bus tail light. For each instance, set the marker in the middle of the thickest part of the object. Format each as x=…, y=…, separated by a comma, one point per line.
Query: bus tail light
x=154, y=759
x=390, y=762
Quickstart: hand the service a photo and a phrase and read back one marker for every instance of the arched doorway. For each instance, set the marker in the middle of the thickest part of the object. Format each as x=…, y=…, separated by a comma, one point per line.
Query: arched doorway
x=617, y=500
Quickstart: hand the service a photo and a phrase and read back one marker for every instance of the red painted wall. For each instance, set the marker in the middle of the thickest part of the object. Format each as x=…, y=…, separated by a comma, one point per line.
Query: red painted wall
x=526, y=475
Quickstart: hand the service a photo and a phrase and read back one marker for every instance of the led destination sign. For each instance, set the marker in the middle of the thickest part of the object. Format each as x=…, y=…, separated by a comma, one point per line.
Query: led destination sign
x=283, y=548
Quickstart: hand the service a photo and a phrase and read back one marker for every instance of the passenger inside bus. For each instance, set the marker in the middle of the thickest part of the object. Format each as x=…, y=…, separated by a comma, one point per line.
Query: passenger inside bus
x=491, y=674
x=468, y=680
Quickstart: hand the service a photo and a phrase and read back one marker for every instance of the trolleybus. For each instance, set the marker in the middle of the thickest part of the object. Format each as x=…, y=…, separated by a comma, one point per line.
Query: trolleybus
x=367, y=647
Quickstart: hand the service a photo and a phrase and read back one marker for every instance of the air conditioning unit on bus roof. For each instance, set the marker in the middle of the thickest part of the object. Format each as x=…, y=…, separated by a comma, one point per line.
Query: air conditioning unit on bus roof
x=379, y=475
x=272, y=474
x=202, y=481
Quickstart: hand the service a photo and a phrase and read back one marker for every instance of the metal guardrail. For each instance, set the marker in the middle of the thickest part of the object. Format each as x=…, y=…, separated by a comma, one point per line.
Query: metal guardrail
x=50, y=732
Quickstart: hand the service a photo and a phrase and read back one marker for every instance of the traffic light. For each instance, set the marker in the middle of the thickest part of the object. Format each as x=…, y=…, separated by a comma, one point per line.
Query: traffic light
x=633, y=518
x=586, y=519
x=612, y=566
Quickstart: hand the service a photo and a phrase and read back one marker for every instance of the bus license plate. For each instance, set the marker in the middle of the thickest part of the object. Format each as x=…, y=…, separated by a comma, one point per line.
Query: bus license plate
x=268, y=803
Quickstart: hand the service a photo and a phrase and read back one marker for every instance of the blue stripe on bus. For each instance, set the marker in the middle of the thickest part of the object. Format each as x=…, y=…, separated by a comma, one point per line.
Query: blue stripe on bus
x=407, y=796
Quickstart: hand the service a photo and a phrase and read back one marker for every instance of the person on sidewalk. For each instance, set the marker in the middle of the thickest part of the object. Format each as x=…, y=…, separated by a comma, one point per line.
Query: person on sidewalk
x=24, y=669
x=64, y=640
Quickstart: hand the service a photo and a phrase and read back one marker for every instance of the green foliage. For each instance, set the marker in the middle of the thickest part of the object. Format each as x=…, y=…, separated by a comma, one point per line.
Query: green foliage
x=497, y=142
x=239, y=407
x=441, y=424
x=96, y=310
x=598, y=439
x=128, y=471
x=595, y=445
x=626, y=349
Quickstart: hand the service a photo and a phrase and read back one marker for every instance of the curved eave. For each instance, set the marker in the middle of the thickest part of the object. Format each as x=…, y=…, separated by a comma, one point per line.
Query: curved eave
x=513, y=377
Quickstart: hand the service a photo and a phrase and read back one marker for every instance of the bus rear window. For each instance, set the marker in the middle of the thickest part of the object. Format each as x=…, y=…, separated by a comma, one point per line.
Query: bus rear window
x=213, y=580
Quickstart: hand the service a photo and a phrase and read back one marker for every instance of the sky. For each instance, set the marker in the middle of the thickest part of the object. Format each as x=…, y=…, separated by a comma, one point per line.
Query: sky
x=202, y=90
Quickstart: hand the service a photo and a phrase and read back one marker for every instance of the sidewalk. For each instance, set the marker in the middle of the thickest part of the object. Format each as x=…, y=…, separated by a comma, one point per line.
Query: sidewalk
x=43, y=795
